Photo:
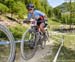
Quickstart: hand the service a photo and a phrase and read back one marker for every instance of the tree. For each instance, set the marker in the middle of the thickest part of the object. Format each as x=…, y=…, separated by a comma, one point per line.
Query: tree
x=19, y=6
x=57, y=13
x=10, y=4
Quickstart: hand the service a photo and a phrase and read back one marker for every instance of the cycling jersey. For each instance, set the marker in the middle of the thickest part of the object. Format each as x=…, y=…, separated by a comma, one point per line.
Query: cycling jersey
x=35, y=14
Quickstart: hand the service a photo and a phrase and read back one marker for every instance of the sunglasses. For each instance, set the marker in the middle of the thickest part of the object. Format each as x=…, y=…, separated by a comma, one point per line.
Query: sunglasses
x=29, y=9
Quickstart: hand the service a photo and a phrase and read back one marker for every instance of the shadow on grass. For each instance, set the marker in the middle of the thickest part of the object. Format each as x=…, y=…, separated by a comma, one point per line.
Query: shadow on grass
x=66, y=54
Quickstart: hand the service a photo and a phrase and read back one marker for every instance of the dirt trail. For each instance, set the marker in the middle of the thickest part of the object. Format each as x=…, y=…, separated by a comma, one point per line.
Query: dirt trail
x=40, y=54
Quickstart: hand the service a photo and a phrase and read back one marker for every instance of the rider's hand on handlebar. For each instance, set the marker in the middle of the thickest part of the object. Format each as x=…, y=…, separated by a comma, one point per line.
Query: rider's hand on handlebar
x=28, y=21
x=25, y=21
x=32, y=20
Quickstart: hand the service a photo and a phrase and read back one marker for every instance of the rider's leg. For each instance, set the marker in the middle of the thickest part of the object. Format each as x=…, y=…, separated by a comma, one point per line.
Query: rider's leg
x=42, y=27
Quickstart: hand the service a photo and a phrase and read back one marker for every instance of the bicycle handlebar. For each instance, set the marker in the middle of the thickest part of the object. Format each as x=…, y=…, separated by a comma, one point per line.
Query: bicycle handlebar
x=26, y=21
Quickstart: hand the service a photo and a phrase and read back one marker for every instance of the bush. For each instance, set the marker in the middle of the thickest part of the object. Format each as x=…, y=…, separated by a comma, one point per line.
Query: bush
x=66, y=19
x=3, y=8
x=19, y=9
x=17, y=31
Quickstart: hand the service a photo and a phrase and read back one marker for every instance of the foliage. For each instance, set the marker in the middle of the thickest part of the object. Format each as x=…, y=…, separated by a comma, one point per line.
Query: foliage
x=17, y=31
x=65, y=12
x=3, y=8
x=19, y=6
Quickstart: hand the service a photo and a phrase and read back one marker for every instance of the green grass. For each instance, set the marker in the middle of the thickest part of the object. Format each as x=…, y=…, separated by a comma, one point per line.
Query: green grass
x=51, y=22
x=4, y=53
x=67, y=53
x=68, y=50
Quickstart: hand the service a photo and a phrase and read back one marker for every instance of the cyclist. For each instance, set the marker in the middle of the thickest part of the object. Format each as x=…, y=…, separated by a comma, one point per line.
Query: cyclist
x=37, y=15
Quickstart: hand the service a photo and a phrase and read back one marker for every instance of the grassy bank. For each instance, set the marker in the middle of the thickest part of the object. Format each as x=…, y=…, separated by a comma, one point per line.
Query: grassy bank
x=67, y=53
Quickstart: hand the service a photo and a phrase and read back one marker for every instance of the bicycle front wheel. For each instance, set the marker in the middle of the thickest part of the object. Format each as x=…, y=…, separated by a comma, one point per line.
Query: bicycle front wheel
x=28, y=44
x=7, y=45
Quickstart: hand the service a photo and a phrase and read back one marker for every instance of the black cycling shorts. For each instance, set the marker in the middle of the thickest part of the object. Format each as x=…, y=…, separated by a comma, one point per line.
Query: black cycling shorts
x=39, y=22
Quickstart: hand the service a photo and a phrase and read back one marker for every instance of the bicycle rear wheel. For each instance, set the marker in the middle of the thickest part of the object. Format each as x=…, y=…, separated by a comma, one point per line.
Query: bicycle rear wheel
x=7, y=45
x=28, y=44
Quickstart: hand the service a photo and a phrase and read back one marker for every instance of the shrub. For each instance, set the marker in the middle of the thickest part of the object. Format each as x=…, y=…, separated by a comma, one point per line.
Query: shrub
x=3, y=8
x=17, y=31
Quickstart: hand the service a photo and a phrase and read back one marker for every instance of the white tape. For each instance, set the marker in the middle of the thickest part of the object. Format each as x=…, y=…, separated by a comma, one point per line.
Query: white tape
x=57, y=54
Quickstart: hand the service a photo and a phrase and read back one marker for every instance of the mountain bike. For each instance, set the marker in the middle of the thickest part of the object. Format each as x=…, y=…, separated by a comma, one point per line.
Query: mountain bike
x=7, y=45
x=31, y=39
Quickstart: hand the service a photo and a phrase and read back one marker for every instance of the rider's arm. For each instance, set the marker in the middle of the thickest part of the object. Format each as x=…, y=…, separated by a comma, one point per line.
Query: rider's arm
x=27, y=20
x=29, y=17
